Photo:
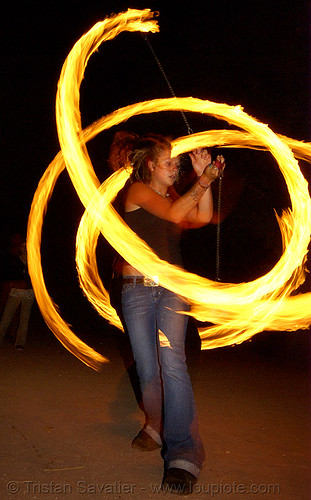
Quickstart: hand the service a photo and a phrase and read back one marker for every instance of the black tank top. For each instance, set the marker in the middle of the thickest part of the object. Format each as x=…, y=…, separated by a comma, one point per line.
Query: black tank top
x=160, y=234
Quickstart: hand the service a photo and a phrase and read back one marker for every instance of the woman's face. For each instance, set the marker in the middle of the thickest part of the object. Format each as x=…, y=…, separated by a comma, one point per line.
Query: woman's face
x=165, y=169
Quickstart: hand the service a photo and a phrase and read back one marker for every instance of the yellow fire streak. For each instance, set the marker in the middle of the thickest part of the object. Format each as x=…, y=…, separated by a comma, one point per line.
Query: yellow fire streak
x=163, y=340
x=237, y=311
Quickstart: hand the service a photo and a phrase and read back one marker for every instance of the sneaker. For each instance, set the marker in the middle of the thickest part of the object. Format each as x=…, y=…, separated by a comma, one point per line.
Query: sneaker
x=144, y=442
x=178, y=481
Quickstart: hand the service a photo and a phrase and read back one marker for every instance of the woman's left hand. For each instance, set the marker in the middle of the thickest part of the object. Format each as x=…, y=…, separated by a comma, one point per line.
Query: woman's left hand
x=200, y=158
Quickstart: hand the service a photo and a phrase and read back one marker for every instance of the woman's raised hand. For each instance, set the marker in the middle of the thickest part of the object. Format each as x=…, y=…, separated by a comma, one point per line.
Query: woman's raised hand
x=214, y=169
x=200, y=158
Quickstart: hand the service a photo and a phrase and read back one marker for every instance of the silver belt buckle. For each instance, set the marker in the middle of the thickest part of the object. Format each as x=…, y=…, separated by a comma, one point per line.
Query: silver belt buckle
x=151, y=281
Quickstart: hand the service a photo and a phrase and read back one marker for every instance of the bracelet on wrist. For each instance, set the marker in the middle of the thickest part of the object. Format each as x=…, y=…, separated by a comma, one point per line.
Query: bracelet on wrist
x=202, y=184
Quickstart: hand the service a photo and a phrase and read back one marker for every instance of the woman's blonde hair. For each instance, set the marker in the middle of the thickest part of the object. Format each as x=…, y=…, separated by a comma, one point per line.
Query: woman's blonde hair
x=130, y=150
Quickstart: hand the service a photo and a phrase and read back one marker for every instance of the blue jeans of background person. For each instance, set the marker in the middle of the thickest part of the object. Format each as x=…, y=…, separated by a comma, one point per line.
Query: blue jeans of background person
x=157, y=335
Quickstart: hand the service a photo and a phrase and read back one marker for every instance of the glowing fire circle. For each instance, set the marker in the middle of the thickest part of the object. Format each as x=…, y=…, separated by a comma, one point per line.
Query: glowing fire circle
x=236, y=311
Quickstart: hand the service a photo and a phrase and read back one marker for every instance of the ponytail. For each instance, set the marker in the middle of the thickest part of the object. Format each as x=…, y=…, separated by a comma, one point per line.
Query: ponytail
x=123, y=144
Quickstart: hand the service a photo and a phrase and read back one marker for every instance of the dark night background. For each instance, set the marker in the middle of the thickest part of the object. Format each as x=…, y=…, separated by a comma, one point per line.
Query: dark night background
x=254, y=53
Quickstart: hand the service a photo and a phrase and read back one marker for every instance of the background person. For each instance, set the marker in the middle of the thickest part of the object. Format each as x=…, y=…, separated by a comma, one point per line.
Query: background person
x=17, y=285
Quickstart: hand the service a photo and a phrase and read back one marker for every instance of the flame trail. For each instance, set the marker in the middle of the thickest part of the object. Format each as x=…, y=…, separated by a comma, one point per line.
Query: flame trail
x=237, y=311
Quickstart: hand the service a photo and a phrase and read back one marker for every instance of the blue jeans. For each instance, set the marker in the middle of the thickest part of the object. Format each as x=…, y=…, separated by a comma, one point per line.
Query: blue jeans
x=157, y=335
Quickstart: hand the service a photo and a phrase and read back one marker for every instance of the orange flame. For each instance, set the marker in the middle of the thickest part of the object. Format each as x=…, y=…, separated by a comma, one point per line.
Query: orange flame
x=237, y=311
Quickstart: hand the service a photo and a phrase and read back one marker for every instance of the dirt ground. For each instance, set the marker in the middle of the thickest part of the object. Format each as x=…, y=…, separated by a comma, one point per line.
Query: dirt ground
x=66, y=429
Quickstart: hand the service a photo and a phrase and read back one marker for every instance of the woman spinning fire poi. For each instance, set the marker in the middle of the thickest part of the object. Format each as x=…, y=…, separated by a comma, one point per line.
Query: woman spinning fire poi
x=267, y=300
x=152, y=208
